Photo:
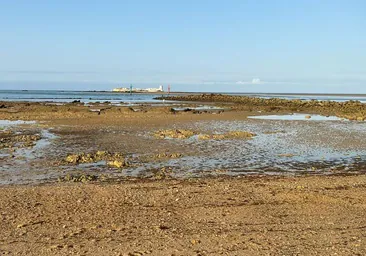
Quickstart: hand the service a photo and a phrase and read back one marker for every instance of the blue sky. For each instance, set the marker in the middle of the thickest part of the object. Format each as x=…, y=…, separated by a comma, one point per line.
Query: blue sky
x=295, y=46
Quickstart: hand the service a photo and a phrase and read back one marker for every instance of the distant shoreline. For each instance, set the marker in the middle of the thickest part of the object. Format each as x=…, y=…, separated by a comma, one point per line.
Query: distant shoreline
x=248, y=93
x=228, y=93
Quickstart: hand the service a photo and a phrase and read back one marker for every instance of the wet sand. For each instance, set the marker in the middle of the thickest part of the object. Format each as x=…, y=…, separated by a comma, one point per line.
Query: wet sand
x=179, y=196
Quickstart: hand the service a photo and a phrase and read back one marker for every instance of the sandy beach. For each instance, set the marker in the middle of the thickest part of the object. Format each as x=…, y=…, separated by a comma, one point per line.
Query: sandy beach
x=217, y=216
x=99, y=179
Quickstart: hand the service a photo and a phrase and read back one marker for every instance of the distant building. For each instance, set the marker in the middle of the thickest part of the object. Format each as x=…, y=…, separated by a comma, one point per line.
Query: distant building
x=123, y=89
x=160, y=89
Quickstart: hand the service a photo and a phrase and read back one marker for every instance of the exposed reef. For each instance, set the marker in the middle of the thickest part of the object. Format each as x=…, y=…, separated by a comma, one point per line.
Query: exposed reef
x=116, y=160
x=352, y=110
x=185, y=134
x=12, y=140
x=174, y=134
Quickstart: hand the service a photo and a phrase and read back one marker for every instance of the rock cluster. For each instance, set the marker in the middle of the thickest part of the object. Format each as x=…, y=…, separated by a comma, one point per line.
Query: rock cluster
x=113, y=159
x=9, y=139
x=167, y=155
x=162, y=173
x=175, y=134
x=226, y=136
x=117, y=163
x=185, y=134
x=87, y=158
x=78, y=178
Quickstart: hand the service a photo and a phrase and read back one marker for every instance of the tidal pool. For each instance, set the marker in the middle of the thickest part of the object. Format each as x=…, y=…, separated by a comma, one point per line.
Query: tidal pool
x=36, y=150
x=279, y=147
x=199, y=108
x=298, y=117
x=6, y=123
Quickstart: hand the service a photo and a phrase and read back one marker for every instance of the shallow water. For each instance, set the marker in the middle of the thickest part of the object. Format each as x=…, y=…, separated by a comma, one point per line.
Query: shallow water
x=21, y=166
x=6, y=123
x=85, y=96
x=278, y=147
x=70, y=96
x=307, y=97
x=36, y=150
x=304, y=117
x=199, y=108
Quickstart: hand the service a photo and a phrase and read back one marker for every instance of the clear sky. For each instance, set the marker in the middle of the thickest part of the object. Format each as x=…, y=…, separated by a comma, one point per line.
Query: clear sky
x=258, y=45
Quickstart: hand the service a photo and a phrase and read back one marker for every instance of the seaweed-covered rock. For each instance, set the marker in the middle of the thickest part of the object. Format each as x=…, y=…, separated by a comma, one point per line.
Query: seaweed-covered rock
x=9, y=139
x=226, y=136
x=352, y=110
x=167, y=155
x=116, y=159
x=74, y=159
x=175, y=134
x=240, y=134
x=117, y=163
x=78, y=178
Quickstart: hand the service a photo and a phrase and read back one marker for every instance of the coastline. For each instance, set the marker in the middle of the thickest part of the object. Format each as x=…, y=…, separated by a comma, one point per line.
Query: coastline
x=352, y=110
x=157, y=205
x=258, y=94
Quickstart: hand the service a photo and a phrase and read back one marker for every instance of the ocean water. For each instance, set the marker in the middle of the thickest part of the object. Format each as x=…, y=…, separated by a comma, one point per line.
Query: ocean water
x=91, y=96
x=69, y=96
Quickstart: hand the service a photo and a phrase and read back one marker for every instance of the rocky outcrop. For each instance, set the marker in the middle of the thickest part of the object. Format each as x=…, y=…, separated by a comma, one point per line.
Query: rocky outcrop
x=167, y=155
x=185, y=134
x=9, y=139
x=174, y=134
x=116, y=160
x=352, y=110
x=226, y=136
x=118, y=163
x=79, y=178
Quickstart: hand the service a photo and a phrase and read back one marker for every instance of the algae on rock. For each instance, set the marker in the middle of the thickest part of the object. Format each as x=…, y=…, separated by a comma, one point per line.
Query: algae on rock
x=113, y=159
x=174, y=134
x=227, y=136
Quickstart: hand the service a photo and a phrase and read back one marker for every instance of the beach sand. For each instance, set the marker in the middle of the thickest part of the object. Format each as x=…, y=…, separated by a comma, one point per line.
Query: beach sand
x=221, y=216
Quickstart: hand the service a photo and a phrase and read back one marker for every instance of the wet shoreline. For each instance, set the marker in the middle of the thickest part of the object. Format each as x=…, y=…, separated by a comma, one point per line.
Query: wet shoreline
x=297, y=144
x=146, y=180
x=352, y=109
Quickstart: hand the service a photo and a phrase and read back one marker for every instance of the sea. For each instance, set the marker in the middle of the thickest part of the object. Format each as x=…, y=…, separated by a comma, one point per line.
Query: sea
x=112, y=97
x=70, y=96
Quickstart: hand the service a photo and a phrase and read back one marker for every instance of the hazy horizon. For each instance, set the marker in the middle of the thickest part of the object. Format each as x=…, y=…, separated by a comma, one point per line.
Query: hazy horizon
x=199, y=87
